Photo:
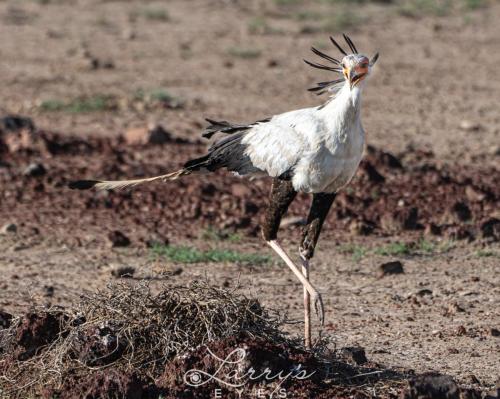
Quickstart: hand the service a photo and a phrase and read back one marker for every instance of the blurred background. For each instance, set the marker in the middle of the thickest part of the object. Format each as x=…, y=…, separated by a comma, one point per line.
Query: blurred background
x=102, y=66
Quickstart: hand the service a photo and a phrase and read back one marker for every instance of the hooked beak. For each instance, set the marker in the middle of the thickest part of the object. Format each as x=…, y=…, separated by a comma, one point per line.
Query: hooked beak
x=354, y=77
x=374, y=59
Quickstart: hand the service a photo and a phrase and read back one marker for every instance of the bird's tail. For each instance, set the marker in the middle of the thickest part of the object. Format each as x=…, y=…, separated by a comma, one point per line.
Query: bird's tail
x=121, y=184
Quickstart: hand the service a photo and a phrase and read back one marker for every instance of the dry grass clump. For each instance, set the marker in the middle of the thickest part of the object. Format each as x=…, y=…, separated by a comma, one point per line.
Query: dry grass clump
x=126, y=327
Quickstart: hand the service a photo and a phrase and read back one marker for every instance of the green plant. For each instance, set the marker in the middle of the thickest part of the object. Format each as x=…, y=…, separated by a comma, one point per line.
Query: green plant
x=246, y=53
x=80, y=105
x=474, y=4
x=184, y=254
x=417, y=8
x=156, y=14
x=394, y=248
x=211, y=233
x=357, y=252
x=487, y=253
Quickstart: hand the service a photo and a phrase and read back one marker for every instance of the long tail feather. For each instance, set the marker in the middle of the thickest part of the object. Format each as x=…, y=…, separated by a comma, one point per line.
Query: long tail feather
x=122, y=184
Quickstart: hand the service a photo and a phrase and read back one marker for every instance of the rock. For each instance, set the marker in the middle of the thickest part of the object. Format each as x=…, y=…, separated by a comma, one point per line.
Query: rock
x=459, y=233
x=469, y=126
x=48, y=290
x=15, y=123
x=461, y=330
x=361, y=227
x=354, y=355
x=431, y=386
x=147, y=135
x=241, y=190
x=118, y=239
x=461, y=211
x=495, y=332
x=123, y=272
x=474, y=195
x=35, y=170
x=5, y=319
x=401, y=219
x=491, y=229
x=432, y=229
x=424, y=292
x=372, y=173
x=8, y=228
x=394, y=267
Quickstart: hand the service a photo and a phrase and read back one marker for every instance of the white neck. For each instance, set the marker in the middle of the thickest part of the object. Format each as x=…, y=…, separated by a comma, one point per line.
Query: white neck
x=345, y=104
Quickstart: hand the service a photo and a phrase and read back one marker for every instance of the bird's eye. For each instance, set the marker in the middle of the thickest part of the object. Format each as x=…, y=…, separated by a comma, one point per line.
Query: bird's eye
x=365, y=65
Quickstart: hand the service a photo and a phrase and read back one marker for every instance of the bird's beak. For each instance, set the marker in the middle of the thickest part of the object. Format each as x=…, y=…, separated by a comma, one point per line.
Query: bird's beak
x=351, y=76
x=354, y=77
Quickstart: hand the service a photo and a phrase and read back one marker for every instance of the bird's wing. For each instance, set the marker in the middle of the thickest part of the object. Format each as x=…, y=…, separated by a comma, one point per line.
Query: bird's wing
x=276, y=146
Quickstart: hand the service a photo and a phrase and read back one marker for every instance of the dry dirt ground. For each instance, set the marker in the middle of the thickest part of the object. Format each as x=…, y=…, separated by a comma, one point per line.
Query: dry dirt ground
x=92, y=70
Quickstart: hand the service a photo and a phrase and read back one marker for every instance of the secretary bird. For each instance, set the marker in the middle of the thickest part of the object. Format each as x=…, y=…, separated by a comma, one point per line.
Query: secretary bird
x=313, y=150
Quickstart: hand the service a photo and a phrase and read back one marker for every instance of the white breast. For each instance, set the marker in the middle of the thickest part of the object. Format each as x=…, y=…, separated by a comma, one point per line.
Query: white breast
x=321, y=148
x=335, y=153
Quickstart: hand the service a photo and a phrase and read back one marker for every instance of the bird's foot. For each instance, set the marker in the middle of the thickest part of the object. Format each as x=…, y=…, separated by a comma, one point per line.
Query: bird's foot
x=318, y=307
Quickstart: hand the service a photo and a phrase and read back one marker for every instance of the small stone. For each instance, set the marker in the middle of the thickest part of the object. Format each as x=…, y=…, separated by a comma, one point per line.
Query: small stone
x=495, y=332
x=123, y=272
x=474, y=195
x=491, y=229
x=240, y=190
x=147, y=135
x=35, y=170
x=424, y=292
x=461, y=330
x=361, y=227
x=453, y=351
x=461, y=211
x=177, y=271
x=372, y=173
x=118, y=239
x=432, y=229
x=8, y=228
x=431, y=386
x=394, y=267
x=48, y=290
x=5, y=319
x=459, y=233
x=454, y=308
x=469, y=126
x=400, y=219
x=354, y=354
x=14, y=123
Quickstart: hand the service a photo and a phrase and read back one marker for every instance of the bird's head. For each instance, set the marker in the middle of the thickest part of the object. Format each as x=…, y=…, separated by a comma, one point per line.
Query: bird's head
x=354, y=67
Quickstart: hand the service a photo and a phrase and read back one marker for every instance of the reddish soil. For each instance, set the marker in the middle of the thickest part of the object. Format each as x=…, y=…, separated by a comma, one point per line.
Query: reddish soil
x=390, y=195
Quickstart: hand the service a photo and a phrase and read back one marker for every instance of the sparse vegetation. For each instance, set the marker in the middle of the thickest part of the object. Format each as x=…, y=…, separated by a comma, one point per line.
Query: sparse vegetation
x=334, y=22
x=420, y=247
x=358, y=252
x=214, y=234
x=242, y=52
x=418, y=8
x=487, y=253
x=156, y=14
x=260, y=26
x=80, y=105
x=184, y=254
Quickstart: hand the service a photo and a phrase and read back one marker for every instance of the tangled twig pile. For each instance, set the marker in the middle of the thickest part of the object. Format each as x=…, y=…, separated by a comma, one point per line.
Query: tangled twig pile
x=128, y=328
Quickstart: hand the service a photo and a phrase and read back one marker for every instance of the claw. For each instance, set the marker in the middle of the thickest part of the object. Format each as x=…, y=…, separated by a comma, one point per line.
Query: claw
x=318, y=307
